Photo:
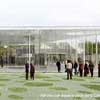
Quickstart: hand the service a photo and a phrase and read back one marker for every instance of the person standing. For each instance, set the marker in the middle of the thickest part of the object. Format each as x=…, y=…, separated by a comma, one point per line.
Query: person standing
x=65, y=65
x=86, y=69
x=91, y=68
x=99, y=69
x=75, y=68
x=81, y=69
x=1, y=61
x=69, y=70
x=32, y=71
x=58, y=66
x=27, y=70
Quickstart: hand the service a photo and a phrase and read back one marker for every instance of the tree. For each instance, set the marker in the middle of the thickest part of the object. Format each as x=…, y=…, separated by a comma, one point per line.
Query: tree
x=90, y=48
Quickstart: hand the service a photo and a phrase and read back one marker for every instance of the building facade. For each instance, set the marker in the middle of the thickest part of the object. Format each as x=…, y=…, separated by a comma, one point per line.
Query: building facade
x=43, y=46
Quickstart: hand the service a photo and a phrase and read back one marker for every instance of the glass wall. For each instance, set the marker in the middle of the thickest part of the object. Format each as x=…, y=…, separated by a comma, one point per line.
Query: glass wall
x=44, y=47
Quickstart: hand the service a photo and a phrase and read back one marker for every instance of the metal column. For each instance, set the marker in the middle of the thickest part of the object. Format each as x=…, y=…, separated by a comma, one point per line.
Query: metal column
x=96, y=50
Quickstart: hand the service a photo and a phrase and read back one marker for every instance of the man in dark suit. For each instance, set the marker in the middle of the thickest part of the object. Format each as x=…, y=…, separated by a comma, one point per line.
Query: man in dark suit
x=32, y=71
x=58, y=66
x=27, y=70
x=91, y=67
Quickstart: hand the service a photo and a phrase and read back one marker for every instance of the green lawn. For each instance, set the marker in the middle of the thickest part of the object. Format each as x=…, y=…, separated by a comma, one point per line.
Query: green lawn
x=47, y=86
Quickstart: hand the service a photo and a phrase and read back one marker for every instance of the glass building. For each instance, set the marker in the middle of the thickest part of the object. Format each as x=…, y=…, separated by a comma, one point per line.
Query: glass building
x=45, y=45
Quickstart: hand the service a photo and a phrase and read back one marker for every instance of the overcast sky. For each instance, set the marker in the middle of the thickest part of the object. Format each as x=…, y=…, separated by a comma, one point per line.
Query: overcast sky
x=50, y=12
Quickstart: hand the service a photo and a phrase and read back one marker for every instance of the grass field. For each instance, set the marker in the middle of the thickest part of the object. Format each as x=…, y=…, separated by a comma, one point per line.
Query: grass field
x=47, y=86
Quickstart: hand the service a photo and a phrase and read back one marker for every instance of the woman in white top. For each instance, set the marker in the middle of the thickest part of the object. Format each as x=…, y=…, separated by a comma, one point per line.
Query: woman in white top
x=69, y=69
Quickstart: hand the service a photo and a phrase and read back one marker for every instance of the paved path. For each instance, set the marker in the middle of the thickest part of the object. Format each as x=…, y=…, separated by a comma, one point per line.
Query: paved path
x=50, y=69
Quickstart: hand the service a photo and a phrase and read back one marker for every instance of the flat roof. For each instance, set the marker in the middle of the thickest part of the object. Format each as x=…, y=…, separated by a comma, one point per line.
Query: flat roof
x=97, y=28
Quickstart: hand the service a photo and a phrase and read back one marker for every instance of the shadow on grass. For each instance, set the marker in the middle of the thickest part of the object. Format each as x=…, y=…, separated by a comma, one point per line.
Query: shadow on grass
x=75, y=79
x=58, y=88
x=1, y=84
x=4, y=79
x=17, y=89
x=15, y=97
x=97, y=98
x=40, y=76
x=76, y=98
x=90, y=86
x=20, y=81
x=51, y=80
x=38, y=84
x=0, y=94
x=95, y=82
x=84, y=92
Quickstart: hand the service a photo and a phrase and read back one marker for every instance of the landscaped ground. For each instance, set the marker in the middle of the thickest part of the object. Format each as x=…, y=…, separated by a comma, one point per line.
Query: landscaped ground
x=47, y=86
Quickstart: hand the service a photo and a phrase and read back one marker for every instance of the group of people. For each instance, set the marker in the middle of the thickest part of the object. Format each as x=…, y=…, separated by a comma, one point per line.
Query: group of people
x=78, y=67
x=29, y=68
x=86, y=68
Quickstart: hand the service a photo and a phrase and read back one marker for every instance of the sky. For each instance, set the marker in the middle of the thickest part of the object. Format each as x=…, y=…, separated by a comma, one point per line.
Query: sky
x=49, y=12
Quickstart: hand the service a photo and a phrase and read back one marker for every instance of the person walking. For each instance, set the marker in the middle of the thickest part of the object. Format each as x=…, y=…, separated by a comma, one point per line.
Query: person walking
x=69, y=70
x=27, y=70
x=91, y=68
x=32, y=71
